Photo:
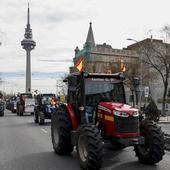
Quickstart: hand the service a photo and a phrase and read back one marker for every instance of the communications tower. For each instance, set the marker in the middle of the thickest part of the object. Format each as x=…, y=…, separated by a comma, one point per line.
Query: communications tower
x=28, y=44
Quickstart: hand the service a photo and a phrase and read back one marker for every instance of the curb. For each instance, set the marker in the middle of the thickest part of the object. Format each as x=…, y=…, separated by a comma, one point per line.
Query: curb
x=167, y=142
x=166, y=135
x=167, y=147
x=163, y=122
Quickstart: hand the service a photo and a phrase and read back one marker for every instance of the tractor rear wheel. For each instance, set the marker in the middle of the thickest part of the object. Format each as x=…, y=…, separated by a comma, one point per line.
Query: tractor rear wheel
x=36, y=110
x=90, y=148
x=17, y=110
x=61, y=127
x=152, y=150
x=41, y=118
x=36, y=117
x=21, y=110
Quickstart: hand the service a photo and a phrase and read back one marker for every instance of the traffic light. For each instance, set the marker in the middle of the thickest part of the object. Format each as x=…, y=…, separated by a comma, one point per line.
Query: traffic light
x=168, y=93
x=136, y=81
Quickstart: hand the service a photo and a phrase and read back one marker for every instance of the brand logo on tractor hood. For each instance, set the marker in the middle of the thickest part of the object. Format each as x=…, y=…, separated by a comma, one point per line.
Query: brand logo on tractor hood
x=104, y=108
x=111, y=107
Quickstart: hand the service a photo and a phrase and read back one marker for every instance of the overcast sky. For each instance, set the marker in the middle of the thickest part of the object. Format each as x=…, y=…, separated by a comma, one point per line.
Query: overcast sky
x=60, y=25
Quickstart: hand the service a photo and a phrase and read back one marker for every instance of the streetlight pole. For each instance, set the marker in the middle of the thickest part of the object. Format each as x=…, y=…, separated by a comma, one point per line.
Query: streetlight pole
x=141, y=69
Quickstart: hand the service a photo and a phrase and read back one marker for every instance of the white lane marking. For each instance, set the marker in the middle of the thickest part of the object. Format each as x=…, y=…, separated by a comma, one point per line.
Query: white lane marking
x=30, y=121
x=44, y=130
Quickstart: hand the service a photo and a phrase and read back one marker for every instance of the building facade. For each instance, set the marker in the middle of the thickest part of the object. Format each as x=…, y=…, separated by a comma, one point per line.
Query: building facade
x=102, y=58
x=154, y=55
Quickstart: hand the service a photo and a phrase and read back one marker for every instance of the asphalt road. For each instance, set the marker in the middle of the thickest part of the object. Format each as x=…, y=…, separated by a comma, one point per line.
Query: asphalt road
x=25, y=145
x=165, y=127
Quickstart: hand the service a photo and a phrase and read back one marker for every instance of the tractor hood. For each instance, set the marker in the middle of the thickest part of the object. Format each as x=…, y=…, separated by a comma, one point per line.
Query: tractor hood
x=119, y=107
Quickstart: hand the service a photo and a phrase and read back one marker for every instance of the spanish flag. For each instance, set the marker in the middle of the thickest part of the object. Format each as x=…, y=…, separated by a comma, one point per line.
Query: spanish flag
x=79, y=64
x=122, y=66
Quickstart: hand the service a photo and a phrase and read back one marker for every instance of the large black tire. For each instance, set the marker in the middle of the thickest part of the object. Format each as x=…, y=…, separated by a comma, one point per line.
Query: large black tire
x=13, y=111
x=17, y=111
x=90, y=148
x=61, y=127
x=21, y=110
x=153, y=150
x=41, y=118
x=153, y=117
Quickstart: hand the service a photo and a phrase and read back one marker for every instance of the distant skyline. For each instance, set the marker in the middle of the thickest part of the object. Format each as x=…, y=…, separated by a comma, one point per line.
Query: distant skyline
x=60, y=25
x=14, y=82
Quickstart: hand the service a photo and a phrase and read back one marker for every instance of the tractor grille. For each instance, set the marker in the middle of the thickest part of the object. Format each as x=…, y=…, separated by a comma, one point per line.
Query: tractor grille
x=126, y=124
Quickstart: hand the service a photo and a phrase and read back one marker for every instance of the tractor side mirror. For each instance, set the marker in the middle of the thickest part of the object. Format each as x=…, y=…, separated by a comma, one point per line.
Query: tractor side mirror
x=65, y=80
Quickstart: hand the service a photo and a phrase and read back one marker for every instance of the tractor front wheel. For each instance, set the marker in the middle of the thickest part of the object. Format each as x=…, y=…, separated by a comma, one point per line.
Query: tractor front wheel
x=152, y=150
x=61, y=127
x=41, y=118
x=90, y=148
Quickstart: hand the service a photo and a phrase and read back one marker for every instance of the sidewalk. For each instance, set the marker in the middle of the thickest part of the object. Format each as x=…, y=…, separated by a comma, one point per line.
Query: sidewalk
x=164, y=120
x=164, y=123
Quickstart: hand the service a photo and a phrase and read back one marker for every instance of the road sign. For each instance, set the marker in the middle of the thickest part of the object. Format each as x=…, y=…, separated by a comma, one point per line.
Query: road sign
x=29, y=105
x=146, y=91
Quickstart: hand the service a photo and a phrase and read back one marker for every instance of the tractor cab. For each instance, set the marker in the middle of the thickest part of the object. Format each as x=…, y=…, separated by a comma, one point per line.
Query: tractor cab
x=89, y=91
x=25, y=104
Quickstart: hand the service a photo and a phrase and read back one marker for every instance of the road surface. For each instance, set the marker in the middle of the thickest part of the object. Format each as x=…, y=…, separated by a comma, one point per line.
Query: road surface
x=25, y=145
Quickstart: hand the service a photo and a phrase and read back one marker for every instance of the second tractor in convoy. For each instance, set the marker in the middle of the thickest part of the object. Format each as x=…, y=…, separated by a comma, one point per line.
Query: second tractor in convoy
x=45, y=104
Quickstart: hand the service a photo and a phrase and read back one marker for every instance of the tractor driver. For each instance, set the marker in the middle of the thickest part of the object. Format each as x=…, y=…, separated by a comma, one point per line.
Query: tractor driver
x=104, y=98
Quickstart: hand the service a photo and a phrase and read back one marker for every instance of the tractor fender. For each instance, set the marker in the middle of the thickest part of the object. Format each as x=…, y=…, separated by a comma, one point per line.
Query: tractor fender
x=73, y=118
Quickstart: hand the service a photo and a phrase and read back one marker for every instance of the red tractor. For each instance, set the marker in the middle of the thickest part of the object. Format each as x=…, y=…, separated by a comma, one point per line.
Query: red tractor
x=96, y=113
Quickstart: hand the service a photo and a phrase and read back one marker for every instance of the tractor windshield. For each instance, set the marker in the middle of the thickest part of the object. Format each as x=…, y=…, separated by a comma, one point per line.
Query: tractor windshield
x=47, y=98
x=103, y=90
x=26, y=96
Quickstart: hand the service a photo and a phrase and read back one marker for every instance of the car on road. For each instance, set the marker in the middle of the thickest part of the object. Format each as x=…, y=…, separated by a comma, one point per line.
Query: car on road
x=13, y=104
x=2, y=107
x=8, y=104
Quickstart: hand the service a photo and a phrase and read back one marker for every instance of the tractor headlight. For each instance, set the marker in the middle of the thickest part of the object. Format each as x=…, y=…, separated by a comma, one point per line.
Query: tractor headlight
x=121, y=114
x=136, y=114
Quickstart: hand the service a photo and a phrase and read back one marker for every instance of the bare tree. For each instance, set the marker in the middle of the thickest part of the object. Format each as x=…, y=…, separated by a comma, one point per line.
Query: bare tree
x=61, y=86
x=156, y=54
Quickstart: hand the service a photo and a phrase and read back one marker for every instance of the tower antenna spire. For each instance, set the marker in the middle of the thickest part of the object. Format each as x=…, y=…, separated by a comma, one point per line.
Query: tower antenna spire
x=28, y=14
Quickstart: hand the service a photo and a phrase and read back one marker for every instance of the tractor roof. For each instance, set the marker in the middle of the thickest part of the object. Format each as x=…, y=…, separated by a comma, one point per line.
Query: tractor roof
x=118, y=75
x=25, y=93
x=48, y=94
